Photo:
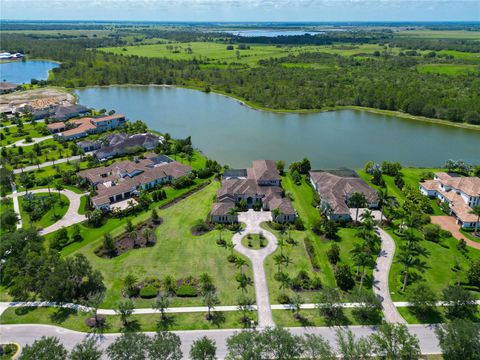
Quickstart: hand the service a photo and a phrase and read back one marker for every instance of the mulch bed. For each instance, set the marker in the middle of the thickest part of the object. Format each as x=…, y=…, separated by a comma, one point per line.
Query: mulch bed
x=124, y=243
x=199, y=232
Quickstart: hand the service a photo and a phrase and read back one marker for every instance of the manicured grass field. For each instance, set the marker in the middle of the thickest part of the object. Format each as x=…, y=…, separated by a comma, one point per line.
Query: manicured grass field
x=14, y=134
x=440, y=34
x=218, y=53
x=448, y=69
x=440, y=263
x=285, y=318
x=47, y=219
x=74, y=320
x=176, y=253
x=435, y=317
x=252, y=241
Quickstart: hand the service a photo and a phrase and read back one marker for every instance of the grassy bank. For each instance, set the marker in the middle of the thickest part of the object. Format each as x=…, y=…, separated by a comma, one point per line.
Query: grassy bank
x=75, y=320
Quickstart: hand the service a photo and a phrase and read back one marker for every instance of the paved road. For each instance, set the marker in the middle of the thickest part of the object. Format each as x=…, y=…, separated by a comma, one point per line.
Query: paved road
x=34, y=141
x=50, y=163
x=253, y=219
x=71, y=217
x=449, y=223
x=380, y=278
x=27, y=334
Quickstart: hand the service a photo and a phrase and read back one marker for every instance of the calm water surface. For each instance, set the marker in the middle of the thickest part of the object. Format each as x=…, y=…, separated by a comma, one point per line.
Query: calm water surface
x=234, y=134
x=270, y=33
x=19, y=72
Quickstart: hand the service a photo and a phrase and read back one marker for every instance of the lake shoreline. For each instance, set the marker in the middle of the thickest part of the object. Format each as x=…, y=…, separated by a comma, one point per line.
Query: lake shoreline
x=257, y=107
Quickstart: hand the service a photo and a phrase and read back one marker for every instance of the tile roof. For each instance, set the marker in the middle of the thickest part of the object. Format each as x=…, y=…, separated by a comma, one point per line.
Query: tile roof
x=56, y=125
x=336, y=189
x=264, y=170
x=222, y=208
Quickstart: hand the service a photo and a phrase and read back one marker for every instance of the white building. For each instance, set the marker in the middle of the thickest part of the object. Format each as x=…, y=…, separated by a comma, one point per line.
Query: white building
x=460, y=193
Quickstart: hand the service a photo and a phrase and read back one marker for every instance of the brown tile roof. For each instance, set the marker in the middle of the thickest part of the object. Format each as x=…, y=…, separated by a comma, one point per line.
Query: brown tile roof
x=264, y=170
x=335, y=189
x=469, y=185
x=109, y=117
x=282, y=204
x=222, y=208
x=56, y=125
x=430, y=185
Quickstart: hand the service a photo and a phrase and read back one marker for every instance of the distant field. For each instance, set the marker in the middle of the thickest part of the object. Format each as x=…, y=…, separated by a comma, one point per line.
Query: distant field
x=217, y=52
x=448, y=69
x=440, y=34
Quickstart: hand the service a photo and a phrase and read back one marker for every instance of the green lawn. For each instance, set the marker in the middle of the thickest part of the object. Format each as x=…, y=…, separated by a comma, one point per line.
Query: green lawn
x=217, y=53
x=311, y=317
x=83, y=204
x=14, y=134
x=252, y=241
x=449, y=69
x=48, y=218
x=411, y=176
x=439, y=272
x=74, y=320
x=176, y=252
x=437, y=316
x=440, y=34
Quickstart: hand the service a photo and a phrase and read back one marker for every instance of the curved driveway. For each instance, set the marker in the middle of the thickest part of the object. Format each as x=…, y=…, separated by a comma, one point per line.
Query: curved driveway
x=71, y=217
x=34, y=141
x=253, y=219
x=380, y=278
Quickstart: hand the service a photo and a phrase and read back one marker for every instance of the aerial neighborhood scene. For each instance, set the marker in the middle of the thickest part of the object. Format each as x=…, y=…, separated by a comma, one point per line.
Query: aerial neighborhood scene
x=214, y=179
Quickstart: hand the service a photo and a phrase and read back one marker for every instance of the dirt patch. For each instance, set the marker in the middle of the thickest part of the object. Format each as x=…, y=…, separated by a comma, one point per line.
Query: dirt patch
x=126, y=242
x=7, y=101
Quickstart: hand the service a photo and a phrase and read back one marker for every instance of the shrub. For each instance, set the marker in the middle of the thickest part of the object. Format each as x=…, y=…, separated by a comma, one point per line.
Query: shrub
x=232, y=258
x=283, y=299
x=186, y=291
x=148, y=292
x=205, y=173
x=299, y=224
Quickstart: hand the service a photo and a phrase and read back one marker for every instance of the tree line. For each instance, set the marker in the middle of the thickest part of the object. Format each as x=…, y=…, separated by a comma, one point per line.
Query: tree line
x=458, y=340
x=390, y=82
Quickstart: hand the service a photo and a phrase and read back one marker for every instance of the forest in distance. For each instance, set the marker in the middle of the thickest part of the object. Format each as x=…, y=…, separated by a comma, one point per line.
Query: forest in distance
x=430, y=77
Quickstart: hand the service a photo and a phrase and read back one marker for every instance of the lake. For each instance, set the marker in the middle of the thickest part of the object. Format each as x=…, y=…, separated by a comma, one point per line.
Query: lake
x=235, y=135
x=19, y=72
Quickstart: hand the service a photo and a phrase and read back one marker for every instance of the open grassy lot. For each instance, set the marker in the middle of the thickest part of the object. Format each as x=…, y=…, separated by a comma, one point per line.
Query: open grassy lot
x=176, y=252
x=58, y=209
x=74, y=320
x=440, y=34
x=440, y=269
x=217, y=52
x=448, y=69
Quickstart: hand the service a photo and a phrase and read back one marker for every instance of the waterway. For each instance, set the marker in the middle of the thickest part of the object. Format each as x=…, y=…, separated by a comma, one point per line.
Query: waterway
x=20, y=72
x=234, y=134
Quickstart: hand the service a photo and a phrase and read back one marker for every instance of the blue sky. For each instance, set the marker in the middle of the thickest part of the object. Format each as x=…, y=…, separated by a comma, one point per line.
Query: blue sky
x=243, y=10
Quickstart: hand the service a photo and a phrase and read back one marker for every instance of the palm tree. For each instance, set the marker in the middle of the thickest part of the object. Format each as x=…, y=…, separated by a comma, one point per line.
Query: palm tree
x=240, y=263
x=278, y=259
x=210, y=299
x=59, y=187
x=161, y=304
x=231, y=246
x=243, y=282
x=232, y=211
x=476, y=211
x=147, y=233
x=384, y=200
x=296, y=302
x=326, y=209
x=220, y=228
x=133, y=236
x=357, y=200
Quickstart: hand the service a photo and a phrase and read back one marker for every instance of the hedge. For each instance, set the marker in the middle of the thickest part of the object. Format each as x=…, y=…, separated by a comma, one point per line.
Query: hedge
x=148, y=292
x=186, y=291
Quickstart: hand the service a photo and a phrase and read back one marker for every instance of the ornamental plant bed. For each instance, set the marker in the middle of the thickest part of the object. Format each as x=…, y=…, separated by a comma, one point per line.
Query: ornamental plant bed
x=93, y=322
x=126, y=242
x=202, y=227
